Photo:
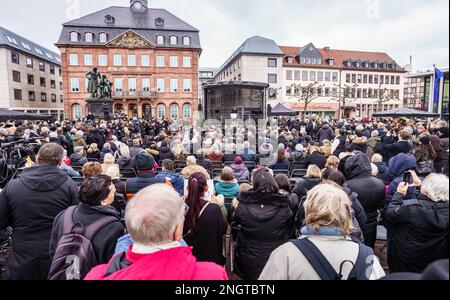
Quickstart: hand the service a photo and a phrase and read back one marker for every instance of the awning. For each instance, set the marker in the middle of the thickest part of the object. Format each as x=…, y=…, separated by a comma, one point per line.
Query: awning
x=10, y=115
x=405, y=112
x=281, y=110
x=313, y=107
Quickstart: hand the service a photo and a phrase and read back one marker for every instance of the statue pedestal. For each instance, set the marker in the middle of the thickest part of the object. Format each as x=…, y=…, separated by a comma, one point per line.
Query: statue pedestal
x=100, y=108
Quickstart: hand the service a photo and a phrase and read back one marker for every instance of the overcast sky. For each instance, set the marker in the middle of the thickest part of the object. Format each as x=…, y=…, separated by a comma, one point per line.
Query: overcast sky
x=399, y=27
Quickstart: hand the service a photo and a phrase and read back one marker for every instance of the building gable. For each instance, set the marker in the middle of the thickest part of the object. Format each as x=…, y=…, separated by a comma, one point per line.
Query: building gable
x=130, y=39
x=309, y=51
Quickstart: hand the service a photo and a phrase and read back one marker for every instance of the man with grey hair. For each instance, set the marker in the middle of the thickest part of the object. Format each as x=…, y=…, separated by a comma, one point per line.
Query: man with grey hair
x=155, y=220
x=77, y=159
x=29, y=204
x=420, y=231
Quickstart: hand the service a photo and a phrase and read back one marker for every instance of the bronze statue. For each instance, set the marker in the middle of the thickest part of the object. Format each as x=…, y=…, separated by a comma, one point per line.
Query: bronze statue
x=93, y=76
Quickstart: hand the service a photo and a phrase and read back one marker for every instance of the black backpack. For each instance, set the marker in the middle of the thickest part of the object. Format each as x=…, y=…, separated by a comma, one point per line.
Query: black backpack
x=323, y=268
x=75, y=256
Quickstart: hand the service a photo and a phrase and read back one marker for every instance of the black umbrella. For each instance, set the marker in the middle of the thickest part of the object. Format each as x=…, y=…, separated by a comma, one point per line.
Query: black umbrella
x=405, y=112
x=281, y=110
x=10, y=115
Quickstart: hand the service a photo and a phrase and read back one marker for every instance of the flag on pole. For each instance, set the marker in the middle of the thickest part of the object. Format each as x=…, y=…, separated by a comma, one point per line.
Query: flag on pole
x=437, y=78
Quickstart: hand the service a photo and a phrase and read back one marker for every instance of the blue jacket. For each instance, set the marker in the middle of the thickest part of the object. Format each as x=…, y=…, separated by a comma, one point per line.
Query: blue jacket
x=176, y=179
x=134, y=185
x=398, y=165
x=227, y=189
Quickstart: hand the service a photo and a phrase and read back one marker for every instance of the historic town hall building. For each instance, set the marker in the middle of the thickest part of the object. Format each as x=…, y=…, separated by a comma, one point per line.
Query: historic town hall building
x=150, y=55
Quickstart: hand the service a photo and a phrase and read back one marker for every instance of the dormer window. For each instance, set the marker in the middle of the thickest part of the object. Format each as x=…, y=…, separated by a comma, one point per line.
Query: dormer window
x=103, y=37
x=160, y=40
x=349, y=63
x=88, y=37
x=357, y=64
x=375, y=65
x=173, y=40
x=110, y=20
x=366, y=65
x=186, y=41
x=331, y=61
x=159, y=22
x=290, y=60
x=74, y=36
x=303, y=60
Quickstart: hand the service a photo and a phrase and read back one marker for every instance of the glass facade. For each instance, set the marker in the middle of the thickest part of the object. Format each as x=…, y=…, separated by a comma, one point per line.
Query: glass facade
x=445, y=98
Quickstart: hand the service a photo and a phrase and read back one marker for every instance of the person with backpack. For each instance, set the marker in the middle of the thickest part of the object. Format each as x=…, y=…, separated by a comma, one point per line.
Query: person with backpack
x=155, y=219
x=88, y=231
x=325, y=250
x=29, y=204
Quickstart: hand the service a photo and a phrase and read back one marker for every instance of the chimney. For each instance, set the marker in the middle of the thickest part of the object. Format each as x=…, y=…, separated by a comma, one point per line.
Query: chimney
x=327, y=48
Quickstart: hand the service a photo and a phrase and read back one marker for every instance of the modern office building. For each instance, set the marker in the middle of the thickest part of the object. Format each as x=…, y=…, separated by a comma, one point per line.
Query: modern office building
x=30, y=76
x=205, y=75
x=419, y=92
x=150, y=55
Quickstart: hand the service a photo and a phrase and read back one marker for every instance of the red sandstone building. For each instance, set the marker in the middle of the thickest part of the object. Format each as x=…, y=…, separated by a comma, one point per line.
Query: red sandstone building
x=150, y=55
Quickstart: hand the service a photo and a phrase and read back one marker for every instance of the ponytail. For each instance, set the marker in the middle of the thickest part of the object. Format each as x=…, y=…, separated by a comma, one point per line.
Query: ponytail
x=196, y=189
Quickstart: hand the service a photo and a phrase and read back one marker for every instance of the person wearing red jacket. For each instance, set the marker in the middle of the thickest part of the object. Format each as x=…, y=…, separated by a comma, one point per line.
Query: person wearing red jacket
x=155, y=221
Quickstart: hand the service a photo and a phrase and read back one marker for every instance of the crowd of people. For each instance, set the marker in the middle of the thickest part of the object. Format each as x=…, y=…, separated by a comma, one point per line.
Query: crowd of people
x=302, y=199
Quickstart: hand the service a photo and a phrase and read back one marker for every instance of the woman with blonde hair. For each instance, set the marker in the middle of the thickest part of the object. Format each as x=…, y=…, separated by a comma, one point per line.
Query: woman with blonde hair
x=332, y=162
x=326, y=148
x=312, y=178
x=325, y=247
x=108, y=161
x=93, y=152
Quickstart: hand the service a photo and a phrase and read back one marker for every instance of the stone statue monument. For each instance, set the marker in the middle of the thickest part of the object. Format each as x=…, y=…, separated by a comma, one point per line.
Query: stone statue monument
x=100, y=104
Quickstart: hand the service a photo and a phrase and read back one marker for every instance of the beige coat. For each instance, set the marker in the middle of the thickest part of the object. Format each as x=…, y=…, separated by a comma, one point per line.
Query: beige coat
x=192, y=169
x=288, y=263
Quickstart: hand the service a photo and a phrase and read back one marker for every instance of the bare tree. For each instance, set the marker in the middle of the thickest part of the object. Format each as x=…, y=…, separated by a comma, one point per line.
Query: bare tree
x=383, y=96
x=307, y=94
x=343, y=95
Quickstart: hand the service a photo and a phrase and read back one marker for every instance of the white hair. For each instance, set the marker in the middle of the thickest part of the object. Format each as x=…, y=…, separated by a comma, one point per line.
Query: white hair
x=53, y=134
x=191, y=160
x=79, y=133
x=435, y=186
x=374, y=170
x=113, y=172
x=153, y=215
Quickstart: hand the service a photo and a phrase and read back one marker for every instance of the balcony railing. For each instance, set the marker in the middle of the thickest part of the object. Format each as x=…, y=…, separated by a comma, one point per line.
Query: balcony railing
x=134, y=94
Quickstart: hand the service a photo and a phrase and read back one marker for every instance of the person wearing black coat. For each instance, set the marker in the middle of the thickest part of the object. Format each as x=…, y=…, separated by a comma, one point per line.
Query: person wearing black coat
x=96, y=195
x=393, y=148
x=165, y=152
x=29, y=204
x=316, y=158
x=421, y=225
x=266, y=222
x=370, y=190
x=325, y=133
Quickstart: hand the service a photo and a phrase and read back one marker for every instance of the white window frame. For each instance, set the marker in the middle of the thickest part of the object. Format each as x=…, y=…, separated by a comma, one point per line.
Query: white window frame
x=73, y=59
x=146, y=84
x=75, y=84
x=131, y=59
x=118, y=84
x=160, y=85
x=132, y=84
x=145, y=60
x=187, y=62
x=160, y=40
x=186, y=41
x=160, y=61
x=103, y=60
x=185, y=106
x=161, y=111
x=174, y=113
x=173, y=40
x=173, y=61
x=174, y=85
x=117, y=60
x=91, y=35
x=187, y=85
x=88, y=59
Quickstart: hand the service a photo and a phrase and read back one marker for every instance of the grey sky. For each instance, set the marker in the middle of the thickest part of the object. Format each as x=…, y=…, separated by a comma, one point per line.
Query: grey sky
x=399, y=27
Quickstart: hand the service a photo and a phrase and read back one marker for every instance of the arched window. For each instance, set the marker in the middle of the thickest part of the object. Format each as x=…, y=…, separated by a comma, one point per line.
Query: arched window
x=103, y=37
x=187, y=111
x=173, y=40
x=186, y=41
x=160, y=40
x=174, y=111
x=77, y=111
x=88, y=37
x=74, y=36
x=161, y=111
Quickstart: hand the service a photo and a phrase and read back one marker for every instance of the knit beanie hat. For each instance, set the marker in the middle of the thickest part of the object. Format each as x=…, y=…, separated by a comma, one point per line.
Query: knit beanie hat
x=145, y=162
